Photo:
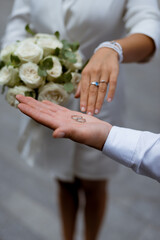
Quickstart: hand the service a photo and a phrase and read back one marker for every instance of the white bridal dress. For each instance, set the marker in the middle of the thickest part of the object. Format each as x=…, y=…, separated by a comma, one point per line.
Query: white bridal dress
x=89, y=22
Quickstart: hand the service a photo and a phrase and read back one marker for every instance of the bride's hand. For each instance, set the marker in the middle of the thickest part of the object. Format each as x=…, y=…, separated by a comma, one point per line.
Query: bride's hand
x=102, y=68
x=77, y=126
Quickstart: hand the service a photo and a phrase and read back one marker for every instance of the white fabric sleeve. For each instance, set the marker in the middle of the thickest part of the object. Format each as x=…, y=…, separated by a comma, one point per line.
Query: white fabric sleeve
x=135, y=149
x=18, y=19
x=143, y=16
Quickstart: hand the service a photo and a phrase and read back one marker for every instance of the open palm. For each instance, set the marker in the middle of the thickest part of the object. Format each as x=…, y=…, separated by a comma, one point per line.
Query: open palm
x=92, y=131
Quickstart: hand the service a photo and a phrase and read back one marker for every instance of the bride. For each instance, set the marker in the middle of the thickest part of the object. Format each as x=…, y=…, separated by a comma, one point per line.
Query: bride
x=110, y=33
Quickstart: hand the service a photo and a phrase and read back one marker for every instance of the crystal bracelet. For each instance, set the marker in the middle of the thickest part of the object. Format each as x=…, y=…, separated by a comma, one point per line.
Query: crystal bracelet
x=113, y=45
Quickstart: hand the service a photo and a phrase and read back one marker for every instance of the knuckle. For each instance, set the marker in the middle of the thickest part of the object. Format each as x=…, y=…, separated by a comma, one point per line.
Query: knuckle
x=93, y=90
x=84, y=90
x=102, y=90
x=85, y=72
x=91, y=105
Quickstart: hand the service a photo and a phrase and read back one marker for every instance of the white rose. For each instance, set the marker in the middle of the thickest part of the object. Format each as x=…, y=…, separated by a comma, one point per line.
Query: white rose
x=76, y=77
x=9, y=76
x=78, y=64
x=31, y=40
x=56, y=71
x=53, y=92
x=12, y=92
x=48, y=42
x=28, y=73
x=27, y=51
x=7, y=52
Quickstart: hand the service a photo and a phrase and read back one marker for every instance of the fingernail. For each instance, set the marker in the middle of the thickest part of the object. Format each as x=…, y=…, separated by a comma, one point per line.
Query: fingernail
x=61, y=135
x=89, y=113
x=96, y=111
x=17, y=96
x=83, y=109
x=109, y=100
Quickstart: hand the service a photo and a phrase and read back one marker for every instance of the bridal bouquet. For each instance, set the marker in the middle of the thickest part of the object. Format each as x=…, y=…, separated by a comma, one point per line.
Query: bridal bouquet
x=42, y=66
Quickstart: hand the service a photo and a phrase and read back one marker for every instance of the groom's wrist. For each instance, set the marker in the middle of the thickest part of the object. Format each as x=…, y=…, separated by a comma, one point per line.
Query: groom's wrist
x=106, y=131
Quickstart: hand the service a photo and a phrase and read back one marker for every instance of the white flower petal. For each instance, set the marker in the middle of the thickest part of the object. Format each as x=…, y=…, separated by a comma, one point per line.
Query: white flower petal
x=56, y=71
x=5, y=75
x=48, y=42
x=74, y=66
x=12, y=92
x=7, y=52
x=76, y=77
x=27, y=51
x=28, y=73
x=9, y=76
x=53, y=92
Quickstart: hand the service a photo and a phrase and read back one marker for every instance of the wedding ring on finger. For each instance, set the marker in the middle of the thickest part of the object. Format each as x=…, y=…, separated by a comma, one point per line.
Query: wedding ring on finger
x=103, y=81
x=95, y=84
x=78, y=118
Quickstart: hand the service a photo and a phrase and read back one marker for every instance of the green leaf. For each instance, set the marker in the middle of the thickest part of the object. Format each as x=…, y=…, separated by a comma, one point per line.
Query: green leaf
x=68, y=87
x=29, y=94
x=70, y=46
x=15, y=61
x=66, y=44
x=42, y=72
x=29, y=30
x=75, y=46
x=67, y=77
x=2, y=64
x=70, y=56
x=57, y=34
x=9, y=64
x=47, y=64
x=57, y=52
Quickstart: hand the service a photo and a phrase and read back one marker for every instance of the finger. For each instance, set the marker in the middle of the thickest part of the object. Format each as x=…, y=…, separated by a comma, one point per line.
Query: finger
x=93, y=92
x=29, y=101
x=41, y=117
x=37, y=104
x=64, y=132
x=52, y=106
x=112, y=86
x=101, y=94
x=59, y=133
x=85, y=82
x=78, y=92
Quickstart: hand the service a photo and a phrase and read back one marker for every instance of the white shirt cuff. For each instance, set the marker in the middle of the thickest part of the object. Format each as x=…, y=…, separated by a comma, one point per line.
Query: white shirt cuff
x=121, y=145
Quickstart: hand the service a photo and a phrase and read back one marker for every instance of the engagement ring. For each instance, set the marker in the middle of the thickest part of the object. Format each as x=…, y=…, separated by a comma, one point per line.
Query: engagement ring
x=95, y=83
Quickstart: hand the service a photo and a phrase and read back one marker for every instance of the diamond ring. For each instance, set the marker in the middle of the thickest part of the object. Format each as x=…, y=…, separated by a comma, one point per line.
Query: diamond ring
x=95, y=83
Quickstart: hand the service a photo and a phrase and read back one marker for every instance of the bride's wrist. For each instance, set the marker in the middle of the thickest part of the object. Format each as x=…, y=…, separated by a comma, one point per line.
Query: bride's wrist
x=115, y=46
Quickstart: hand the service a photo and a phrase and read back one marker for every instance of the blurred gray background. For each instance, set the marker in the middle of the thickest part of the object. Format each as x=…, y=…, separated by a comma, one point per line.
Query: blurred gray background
x=28, y=203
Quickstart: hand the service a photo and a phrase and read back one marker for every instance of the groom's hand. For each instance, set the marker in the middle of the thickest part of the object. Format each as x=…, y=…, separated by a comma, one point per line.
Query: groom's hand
x=66, y=123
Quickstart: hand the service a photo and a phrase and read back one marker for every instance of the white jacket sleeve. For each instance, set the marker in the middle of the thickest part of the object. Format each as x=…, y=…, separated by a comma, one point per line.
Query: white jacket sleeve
x=135, y=149
x=20, y=16
x=143, y=16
